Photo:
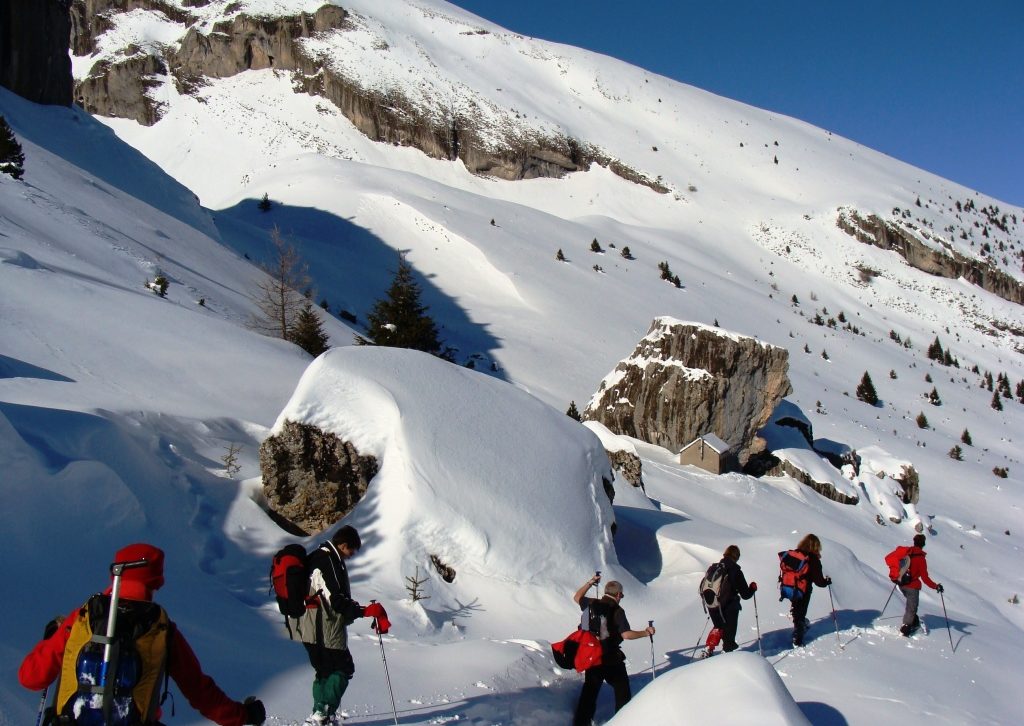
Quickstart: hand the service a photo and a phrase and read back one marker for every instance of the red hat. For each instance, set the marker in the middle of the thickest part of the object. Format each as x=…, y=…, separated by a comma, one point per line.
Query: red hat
x=138, y=583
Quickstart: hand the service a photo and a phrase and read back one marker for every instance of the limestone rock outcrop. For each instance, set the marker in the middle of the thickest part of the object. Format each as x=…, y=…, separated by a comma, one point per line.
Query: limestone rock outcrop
x=934, y=258
x=242, y=42
x=121, y=89
x=311, y=478
x=687, y=379
x=34, y=59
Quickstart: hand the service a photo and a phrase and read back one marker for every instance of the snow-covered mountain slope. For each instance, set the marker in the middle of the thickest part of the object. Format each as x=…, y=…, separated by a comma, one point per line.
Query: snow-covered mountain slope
x=116, y=406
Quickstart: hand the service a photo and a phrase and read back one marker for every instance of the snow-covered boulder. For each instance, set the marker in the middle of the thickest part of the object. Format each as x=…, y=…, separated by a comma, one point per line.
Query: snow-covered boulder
x=685, y=380
x=621, y=452
x=738, y=688
x=474, y=473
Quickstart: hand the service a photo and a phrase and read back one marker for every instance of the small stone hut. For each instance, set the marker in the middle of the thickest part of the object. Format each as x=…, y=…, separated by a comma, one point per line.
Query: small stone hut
x=709, y=453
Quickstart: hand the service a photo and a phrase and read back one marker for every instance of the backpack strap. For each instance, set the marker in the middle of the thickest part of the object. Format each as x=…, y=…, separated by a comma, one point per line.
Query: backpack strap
x=156, y=703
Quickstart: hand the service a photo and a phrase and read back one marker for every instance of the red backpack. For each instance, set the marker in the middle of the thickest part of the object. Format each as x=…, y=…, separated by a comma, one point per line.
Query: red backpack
x=899, y=565
x=581, y=650
x=289, y=580
x=793, y=567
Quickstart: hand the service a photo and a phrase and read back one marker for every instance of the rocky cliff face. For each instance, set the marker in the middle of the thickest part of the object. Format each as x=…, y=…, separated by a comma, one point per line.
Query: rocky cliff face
x=242, y=42
x=687, y=379
x=934, y=258
x=311, y=479
x=34, y=60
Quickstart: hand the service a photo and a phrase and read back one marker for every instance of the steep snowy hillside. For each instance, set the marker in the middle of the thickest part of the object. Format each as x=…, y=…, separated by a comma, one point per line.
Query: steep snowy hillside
x=117, y=406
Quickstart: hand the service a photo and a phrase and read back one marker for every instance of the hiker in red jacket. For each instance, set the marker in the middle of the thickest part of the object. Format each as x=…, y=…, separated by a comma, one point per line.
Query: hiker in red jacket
x=65, y=652
x=911, y=590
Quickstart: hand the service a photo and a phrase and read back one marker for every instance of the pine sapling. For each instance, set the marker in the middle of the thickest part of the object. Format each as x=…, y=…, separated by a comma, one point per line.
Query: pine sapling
x=414, y=585
x=230, y=460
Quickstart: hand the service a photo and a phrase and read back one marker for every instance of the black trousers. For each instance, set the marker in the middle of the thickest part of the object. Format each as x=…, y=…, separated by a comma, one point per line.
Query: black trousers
x=330, y=660
x=799, y=610
x=616, y=677
x=727, y=620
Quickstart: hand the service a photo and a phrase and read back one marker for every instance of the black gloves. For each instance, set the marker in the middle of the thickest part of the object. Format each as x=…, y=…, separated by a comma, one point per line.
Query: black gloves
x=828, y=582
x=255, y=713
x=940, y=588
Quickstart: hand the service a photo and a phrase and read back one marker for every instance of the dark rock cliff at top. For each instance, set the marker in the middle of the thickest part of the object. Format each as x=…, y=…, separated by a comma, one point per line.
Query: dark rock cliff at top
x=244, y=42
x=34, y=60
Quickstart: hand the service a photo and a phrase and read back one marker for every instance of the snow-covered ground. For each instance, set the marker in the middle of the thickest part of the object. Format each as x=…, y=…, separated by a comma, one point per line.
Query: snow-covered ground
x=117, y=406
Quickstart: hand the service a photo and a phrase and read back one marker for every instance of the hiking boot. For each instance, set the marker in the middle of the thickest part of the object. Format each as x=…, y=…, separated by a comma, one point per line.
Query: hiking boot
x=798, y=637
x=706, y=653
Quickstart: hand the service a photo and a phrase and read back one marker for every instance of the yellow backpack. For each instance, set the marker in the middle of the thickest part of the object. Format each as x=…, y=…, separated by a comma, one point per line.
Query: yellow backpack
x=138, y=661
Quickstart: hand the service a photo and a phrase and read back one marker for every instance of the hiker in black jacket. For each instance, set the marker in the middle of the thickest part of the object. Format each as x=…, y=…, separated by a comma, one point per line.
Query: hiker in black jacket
x=323, y=629
x=726, y=617
x=608, y=616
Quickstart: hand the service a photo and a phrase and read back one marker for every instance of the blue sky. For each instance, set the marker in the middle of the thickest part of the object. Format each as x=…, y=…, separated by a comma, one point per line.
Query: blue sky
x=936, y=83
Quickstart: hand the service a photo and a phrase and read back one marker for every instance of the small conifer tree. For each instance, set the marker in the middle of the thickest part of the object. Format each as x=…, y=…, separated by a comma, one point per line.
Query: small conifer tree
x=595, y=246
x=400, y=320
x=922, y=421
x=308, y=332
x=265, y=205
x=892, y=374
x=160, y=285
x=414, y=584
x=866, y=390
x=12, y=160
x=230, y=460
x=626, y=253
x=572, y=412
x=560, y=256
x=956, y=453
x=997, y=403
x=965, y=438
x=933, y=397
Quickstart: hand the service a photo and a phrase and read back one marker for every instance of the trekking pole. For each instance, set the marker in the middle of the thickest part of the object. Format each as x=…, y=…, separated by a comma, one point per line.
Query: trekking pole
x=42, y=706
x=757, y=622
x=891, y=592
x=650, y=624
x=950, y=632
x=116, y=569
x=699, y=639
x=835, y=620
x=394, y=708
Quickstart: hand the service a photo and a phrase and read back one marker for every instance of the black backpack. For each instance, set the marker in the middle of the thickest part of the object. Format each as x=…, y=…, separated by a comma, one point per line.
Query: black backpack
x=289, y=580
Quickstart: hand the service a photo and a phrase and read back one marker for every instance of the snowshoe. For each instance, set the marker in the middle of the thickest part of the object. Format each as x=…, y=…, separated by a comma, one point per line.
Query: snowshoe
x=907, y=630
x=705, y=653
